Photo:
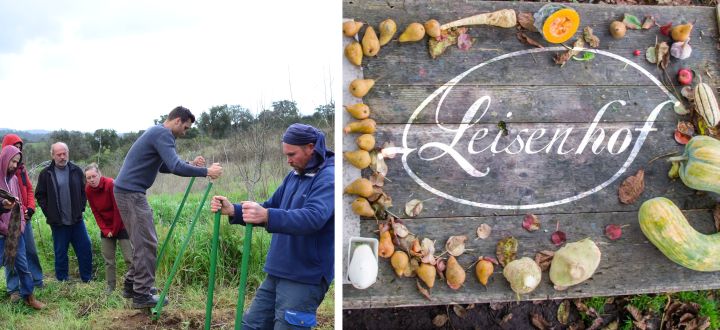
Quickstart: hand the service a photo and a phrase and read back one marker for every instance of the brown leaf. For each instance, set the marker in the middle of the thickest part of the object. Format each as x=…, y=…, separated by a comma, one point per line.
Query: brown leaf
x=506, y=250
x=563, y=312
x=413, y=208
x=471, y=306
x=440, y=320
x=716, y=216
x=591, y=39
x=612, y=325
x=631, y=189
x=455, y=245
x=460, y=311
x=597, y=323
x=648, y=22
x=543, y=259
x=539, y=322
x=527, y=40
x=506, y=319
x=527, y=21
x=663, y=54
x=377, y=179
x=484, y=231
x=531, y=222
x=562, y=58
x=634, y=312
x=385, y=150
x=423, y=290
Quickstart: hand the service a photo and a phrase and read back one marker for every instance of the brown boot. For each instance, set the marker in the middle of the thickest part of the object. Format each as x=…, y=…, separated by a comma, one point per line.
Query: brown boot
x=34, y=303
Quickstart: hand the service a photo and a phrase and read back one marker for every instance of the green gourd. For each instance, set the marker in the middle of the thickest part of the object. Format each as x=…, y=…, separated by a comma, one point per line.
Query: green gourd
x=700, y=164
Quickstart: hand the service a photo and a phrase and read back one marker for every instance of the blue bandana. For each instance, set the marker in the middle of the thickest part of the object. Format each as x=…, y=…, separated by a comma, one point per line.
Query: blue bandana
x=301, y=134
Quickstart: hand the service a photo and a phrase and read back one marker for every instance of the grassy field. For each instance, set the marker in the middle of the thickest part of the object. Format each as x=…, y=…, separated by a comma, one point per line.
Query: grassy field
x=77, y=305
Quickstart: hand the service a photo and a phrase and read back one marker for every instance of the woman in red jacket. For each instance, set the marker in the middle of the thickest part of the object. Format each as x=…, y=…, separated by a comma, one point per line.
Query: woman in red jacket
x=99, y=191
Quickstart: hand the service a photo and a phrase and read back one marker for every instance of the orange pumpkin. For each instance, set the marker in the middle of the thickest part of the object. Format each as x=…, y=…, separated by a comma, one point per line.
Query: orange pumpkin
x=558, y=23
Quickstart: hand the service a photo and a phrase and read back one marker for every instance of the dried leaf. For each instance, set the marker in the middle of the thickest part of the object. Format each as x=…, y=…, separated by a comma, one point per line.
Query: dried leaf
x=427, y=250
x=686, y=128
x=651, y=55
x=688, y=92
x=634, y=312
x=437, y=46
x=527, y=40
x=413, y=208
x=648, y=23
x=531, y=222
x=562, y=58
x=456, y=245
x=484, y=231
x=527, y=21
x=716, y=217
x=558, y=238
x=440, y=320
x=440, y=266
x=539, y=322
x=563, y=312
x=422, y=289
x=613, y=231
x=460, y=311
x=596, y=324
x=464, y=41
x=544, y=259
x=505, y=319
x=377, y=179
x=506, y=250
x=381, y=166
x=385, y=201
x=663, y=55
x=631, y=189
x=400, y=230
x=612, y=325
x=591, y=39
x=665, y=29
x=631, y=22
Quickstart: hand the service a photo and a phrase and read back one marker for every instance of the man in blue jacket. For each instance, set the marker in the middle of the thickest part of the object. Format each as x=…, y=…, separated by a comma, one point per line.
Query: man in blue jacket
x=300, y=215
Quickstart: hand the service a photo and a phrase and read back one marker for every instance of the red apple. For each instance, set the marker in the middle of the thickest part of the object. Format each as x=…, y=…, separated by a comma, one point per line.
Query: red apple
x=685, y=76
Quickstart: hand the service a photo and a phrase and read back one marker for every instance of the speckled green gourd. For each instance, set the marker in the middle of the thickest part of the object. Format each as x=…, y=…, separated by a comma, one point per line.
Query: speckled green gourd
x=666, y=227
x=700, y=164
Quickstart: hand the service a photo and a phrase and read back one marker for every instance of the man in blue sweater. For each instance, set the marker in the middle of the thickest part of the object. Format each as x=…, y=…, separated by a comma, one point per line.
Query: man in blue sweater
x=153, y=152
x=300, y=215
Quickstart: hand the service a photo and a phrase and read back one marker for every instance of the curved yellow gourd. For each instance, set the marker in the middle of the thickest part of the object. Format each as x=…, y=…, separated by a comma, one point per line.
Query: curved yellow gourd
x=666, y=227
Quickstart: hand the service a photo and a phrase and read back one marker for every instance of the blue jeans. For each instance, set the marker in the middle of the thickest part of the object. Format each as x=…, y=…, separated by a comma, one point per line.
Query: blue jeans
x=21, y=266
x=77, y=235
x=13, y=280
x=284, y=304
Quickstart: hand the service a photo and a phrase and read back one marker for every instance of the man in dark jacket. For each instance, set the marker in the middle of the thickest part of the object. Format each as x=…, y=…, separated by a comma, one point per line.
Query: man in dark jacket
x=28, y=200
x=300, y=215
x=61, y=194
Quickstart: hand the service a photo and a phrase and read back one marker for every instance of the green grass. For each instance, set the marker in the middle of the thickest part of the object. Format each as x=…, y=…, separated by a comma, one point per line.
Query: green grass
x=708, y=306
x=654, y=303
x=73, y=305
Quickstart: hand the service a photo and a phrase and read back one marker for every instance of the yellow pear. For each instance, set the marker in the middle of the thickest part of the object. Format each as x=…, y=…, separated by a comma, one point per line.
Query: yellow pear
x=358, y=158
x=354, y=53
x=365, y=126
x=681, y=32
x=454, y=273
x=427, y=273
x=432, y=28
x=413, y=32
x=358, y=110
x=400, y=262
x=387, y=31
x=351, y=28
x=365, y=142
x=361, y=187
x=362, y=207
x=360, y=87
x=370, y=43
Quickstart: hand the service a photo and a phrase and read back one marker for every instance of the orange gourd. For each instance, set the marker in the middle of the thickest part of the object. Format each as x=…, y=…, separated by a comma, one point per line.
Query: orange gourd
x=558, y=23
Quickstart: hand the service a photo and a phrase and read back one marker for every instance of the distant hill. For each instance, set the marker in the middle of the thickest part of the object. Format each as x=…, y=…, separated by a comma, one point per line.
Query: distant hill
x=29, y=136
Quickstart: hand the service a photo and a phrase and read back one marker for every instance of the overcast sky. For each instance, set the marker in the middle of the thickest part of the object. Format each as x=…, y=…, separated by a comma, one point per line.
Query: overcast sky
x=84, y=65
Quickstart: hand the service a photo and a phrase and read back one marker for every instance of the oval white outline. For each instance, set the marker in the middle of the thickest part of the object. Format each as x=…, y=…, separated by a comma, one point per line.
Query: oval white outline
x=450, y=84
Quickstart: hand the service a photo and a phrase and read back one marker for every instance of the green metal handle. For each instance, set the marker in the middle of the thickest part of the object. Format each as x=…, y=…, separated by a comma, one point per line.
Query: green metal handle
x=243, y=276
x=213, y=265
x=158, y=308
x=172, y=227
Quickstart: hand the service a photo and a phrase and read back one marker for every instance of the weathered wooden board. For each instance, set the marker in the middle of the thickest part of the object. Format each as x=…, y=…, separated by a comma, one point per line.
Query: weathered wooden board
x=615, y=111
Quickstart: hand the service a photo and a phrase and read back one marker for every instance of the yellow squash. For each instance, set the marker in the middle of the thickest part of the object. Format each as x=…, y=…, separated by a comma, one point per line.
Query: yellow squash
x=666, y=227
x=700, y=164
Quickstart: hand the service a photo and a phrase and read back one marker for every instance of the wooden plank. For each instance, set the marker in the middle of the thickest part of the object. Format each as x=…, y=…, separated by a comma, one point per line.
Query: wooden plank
x=410, y=63
x=629, y=265
x=481, y=178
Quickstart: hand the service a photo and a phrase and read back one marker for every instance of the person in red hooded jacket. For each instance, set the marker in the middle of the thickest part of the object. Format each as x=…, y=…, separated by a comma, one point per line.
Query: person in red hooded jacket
x=99, y=192
x=28, y=201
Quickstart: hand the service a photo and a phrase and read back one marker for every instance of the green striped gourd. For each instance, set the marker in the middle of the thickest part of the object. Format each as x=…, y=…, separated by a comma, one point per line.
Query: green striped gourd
x=707, y=104
x=666, y=227
x=700, y=164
